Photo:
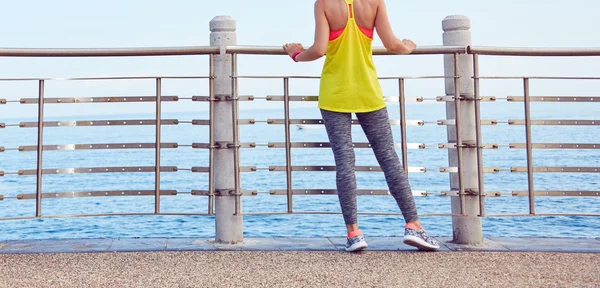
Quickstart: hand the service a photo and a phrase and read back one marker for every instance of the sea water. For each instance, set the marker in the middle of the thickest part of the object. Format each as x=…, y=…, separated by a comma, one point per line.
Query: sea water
x=263, y=180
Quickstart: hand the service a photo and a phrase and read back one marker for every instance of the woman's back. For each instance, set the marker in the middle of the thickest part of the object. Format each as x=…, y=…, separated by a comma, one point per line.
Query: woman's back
x=337, y=13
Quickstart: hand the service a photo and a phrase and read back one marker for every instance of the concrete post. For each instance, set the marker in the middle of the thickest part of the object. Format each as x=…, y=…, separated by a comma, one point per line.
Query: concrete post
x=228, y=226
x=466, y=229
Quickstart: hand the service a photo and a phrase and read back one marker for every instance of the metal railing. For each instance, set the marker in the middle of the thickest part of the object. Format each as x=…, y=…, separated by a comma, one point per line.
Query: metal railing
x=527, y=98
x=287, y=99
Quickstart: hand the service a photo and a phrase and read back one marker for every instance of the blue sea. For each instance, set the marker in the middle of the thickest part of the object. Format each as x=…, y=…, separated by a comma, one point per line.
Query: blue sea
x=299, y=225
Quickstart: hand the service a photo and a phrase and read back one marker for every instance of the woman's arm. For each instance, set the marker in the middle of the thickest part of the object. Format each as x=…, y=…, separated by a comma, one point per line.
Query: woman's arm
x=384, y=30
x=318, y=49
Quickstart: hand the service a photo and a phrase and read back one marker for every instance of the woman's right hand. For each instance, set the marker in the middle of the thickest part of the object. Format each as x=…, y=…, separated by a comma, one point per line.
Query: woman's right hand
x=409, y=44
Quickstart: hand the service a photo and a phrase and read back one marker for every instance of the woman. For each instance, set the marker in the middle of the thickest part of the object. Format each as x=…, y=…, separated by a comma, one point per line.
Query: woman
x=349, y=84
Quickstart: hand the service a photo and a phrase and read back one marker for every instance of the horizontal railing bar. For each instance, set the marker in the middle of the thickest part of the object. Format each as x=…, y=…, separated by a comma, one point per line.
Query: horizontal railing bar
x=97, y=194
x=558, y=169
x=219, y=146
x=353, y=122
x=319, y=77
x=522, y=51
x=485, y=194
x=414, y=77
x=333, y=169
x=207, y=169
x=537, y=78
x=107, y=99
x=544, y=215
x=451, y=122
x=555, y=98
x=556, y=122
x=328, y=145
x=275, y=77
x=240, y=122
x=207, y=193
x=334, y=192
x=99, y=123
x=222, y=98
x=555, y=146
x=108, y=52
x=138, y=169
x=455, y=170
x=338, y=213
x=558, y=193
x=98, y=146
x=277, y=50
x=316, y=98
x=453, y=146
x=451, y=98
x=106, y=78
x=284, y=213
x=103, y=215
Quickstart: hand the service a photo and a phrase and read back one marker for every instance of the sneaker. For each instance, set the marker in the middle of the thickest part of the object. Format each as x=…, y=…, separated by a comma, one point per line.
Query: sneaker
x=356, y=243
x=420, y=239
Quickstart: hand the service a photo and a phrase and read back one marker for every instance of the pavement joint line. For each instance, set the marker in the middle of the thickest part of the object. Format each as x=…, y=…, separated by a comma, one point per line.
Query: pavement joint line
x=503, y=246
x=110, y=245
x=330, y=241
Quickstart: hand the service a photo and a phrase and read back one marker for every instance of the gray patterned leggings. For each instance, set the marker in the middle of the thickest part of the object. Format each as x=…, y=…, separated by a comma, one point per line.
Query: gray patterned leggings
x=379, y=133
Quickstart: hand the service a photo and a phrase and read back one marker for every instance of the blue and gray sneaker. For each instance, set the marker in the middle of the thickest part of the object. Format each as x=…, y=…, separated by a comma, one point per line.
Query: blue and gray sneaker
x=356, y=243
x=420, y=239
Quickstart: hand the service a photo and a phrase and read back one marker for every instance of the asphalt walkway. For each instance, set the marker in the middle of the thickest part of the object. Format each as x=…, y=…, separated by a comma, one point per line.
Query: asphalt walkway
x=298, y=262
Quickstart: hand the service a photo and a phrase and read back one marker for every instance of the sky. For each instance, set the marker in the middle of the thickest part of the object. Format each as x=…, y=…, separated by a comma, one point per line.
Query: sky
x=151, y=23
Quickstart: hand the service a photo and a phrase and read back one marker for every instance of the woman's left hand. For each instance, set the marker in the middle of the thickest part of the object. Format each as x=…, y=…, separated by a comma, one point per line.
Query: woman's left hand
x=292, y=48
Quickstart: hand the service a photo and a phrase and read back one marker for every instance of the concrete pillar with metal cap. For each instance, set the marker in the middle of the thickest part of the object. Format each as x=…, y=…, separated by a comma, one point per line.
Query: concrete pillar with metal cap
x=466, y=229
x=228, y=225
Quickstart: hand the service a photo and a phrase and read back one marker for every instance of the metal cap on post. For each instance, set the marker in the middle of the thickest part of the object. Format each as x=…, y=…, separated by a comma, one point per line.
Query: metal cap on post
x=466, y=229
x=228, y=224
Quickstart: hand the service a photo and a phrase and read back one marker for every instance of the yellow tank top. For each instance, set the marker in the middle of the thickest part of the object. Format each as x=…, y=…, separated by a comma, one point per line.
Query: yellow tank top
x=349, y=79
